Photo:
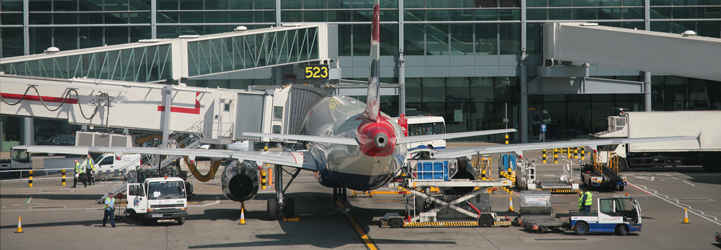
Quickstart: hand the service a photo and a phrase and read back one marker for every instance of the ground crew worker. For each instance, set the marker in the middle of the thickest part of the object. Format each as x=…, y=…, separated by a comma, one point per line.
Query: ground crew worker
x=89, y=170
x=585, y=199
x=109, y=209
x=79, y=174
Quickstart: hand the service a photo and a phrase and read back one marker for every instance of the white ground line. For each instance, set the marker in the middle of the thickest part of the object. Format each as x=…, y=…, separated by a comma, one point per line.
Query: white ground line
x=678, y=204
x=689, y=183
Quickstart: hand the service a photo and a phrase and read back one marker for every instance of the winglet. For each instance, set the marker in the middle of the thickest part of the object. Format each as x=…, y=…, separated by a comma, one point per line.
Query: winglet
x=373, y=111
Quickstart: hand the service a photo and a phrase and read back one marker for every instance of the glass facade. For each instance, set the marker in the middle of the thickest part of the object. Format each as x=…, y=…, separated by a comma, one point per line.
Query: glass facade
x=433, y=31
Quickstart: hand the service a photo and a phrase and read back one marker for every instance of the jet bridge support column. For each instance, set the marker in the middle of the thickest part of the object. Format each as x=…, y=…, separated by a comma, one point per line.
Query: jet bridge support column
x=166, y=114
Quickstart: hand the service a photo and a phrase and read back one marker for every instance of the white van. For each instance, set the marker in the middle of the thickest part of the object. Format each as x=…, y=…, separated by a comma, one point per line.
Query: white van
x=111, y=164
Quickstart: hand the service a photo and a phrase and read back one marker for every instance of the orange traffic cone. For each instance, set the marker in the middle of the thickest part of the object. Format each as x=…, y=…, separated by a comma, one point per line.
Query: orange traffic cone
x=242, y=214
x=20, y=226
x=685, y=216
x=510, y=204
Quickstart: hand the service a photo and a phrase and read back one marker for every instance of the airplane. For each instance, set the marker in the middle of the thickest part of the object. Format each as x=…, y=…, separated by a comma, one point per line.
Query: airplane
x=349, y=146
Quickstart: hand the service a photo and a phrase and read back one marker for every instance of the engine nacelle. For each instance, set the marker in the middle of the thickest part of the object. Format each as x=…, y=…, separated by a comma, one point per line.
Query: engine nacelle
x=240, y=180
x=465, y=171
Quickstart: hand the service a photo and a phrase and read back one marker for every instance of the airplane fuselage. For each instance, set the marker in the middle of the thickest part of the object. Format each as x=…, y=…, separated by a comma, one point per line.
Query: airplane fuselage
x=372, y=164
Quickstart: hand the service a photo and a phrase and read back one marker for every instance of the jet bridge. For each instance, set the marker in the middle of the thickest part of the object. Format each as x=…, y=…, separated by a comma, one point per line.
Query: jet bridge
x=189, y=56
x=657, y=52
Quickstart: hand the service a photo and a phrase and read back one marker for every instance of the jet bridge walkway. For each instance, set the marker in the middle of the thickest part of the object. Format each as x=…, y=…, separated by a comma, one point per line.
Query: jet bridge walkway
x=657, y=52
x=154, y=60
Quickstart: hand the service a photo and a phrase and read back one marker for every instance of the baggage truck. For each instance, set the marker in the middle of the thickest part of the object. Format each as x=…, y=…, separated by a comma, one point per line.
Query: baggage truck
x=705, y=151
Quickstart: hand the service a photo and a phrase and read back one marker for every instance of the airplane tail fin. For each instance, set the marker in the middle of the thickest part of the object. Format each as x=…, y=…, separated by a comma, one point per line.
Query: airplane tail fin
x=373, y=111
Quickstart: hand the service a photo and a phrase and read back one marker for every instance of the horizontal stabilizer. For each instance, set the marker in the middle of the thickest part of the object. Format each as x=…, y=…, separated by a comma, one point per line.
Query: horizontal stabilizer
x=309, y=138
x=422, y=138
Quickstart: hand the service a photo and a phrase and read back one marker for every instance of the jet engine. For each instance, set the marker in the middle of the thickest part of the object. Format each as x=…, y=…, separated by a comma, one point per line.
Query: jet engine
x=465, y=172
x=240, y=180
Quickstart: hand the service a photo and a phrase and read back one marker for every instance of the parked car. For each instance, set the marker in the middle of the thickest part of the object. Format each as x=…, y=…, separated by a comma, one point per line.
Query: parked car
x=61, y=140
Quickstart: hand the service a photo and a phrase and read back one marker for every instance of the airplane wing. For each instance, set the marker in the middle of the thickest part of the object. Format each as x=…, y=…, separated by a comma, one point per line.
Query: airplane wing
x=422, y=138
x=311, y=138
x=298, y=159
x=519, y=148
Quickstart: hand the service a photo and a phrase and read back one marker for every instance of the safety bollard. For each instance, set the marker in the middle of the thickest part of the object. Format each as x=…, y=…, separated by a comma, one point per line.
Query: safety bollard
x=583, y=153
x=569, y=153
x=506, y=138
x=575, y=153
x=270, y=176
x=30, y=178
x=262, y=179
x=63, y=171
x=555, y=156
x=544, y=156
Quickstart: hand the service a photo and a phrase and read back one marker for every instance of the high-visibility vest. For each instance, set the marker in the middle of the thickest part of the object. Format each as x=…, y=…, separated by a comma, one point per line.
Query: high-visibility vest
x=89, y=164
x=78, y=169
x=589, y=200
x=109, y=203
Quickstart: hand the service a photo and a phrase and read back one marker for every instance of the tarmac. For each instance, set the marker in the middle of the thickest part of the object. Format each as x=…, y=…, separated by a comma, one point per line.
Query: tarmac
x=57, y=217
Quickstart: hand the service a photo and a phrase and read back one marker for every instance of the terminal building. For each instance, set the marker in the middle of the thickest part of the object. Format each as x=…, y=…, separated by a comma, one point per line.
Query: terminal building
x=465, y=60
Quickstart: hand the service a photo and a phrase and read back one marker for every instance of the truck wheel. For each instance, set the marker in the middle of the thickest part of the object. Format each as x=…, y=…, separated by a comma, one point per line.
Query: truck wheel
x=581, y=228
x=622, y=230
x=180, y=220
x=272, y=209
x=395, y=223
x=420, y=204
x=485, y=220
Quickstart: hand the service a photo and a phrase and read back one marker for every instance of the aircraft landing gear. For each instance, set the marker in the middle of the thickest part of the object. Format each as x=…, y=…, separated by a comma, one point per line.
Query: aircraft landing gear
x=339, y=194
x=287, y=206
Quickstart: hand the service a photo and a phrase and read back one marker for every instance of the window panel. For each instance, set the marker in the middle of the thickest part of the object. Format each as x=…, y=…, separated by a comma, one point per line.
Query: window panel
x=12, y=40
x=116, y=18
x=65, y=5
x=660, y=2
x=437, y=15
x=709, y=29
x=414, y=35
x=295, y=5
x=583, y=14
x=436, y=3
x=361, y=40
x=560, y=3
x=243, y=4
x=437, y=39
x=462, y=39
x=216, y=4
x=482, y=89
x=487, y=37
x=632, y=2
x=585, y=3
x=457, y=118
x=506, y=14
x=11, y=18
x=434, y=90
x=139, y=5
x=167, y=17
x=609, y=2
x=510, y=35
x=458, y=89
x=291, y=16
x=534, y=35
x=191, y=17
x=341, y=4
x=344, y=40
x=314, y=4
x=40, y=5
x=491, y=14
x=241, y=17
x=559, y=14
x=536, y=3
x=629, y=13
x=216, y=17
x=139, y=33
x=389, y=39
x=314, y=16
x=339, y=16
x=40, y=39
x=413, y=89
x=264, y=16
x=115, y=5
x=40, y=18
x=414, y=15
x=167, y=4
x=191, y=4
x=11, y=5
x=461, y=15
x=91, y=37
x=679, y=12
x=117, y=35
x=510, y=3
x=536, y=14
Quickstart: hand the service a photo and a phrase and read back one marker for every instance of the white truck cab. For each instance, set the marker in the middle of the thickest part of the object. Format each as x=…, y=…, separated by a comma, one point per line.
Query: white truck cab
x=112, y=164
x=158, y=198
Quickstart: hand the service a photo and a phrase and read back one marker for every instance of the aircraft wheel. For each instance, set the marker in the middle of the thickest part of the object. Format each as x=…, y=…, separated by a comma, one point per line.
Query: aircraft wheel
x=272, y=209
x=289, y=208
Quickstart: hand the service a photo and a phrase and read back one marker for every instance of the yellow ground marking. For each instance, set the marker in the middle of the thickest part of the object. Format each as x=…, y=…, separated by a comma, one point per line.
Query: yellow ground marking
x=366, y=240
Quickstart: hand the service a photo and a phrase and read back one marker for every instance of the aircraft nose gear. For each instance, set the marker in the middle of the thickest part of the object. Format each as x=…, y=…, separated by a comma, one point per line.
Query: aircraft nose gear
x=339, y=194
x=287, y=206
